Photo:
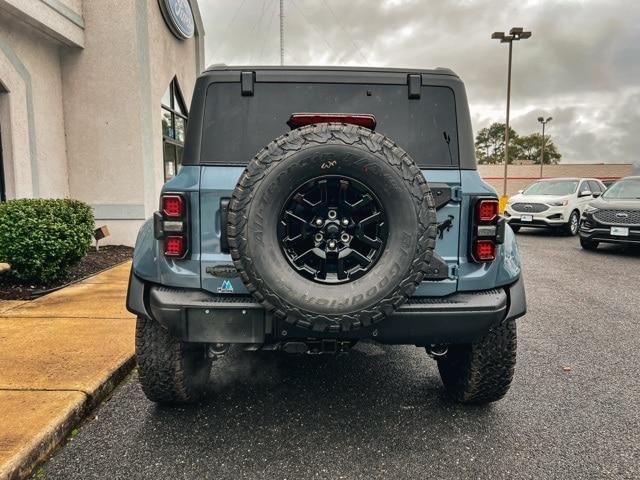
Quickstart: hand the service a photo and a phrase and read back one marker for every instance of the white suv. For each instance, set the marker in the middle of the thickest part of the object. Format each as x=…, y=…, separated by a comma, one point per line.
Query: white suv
x=553, y=203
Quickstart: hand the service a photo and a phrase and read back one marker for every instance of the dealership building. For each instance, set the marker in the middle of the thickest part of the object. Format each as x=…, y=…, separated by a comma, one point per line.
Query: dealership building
x=94, y=98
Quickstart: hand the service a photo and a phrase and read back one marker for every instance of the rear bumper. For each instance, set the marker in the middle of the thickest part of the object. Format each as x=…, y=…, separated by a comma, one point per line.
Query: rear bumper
x=198, y=316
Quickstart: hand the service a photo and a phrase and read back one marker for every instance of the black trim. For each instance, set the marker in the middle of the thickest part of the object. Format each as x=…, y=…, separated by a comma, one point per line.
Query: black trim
x=535, y=223
x=224, y=220
x=438, y=269
x=246, y=83
x=442, y=194
x=517, y=300
x=136, y=295
x=414, y=82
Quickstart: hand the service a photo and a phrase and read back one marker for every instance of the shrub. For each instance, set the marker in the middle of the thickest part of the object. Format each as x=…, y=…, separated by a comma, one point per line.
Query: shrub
x=41, y=239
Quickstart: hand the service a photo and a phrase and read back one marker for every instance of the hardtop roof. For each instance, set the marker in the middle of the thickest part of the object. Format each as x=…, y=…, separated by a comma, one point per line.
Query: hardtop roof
x=311, y=68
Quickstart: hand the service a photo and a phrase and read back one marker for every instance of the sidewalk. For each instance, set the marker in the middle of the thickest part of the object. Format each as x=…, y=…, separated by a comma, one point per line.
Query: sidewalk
x=59, y=356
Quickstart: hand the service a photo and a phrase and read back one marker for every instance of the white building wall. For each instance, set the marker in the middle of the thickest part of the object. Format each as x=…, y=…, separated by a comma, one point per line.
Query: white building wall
x=32, y=111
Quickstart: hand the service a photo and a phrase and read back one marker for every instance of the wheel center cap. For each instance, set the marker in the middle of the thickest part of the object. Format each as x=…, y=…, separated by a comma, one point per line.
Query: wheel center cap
x=333, y=231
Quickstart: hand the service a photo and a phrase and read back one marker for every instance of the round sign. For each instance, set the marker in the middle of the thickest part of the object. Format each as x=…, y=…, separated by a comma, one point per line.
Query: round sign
x=179, y=17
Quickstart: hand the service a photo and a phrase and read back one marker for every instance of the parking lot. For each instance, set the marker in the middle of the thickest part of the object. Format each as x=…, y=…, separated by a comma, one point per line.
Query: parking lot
x=381, y=412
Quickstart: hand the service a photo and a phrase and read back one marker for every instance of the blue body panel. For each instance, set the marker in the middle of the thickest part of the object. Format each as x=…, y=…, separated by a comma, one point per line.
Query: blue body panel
x=216, y=183
x=206, y=185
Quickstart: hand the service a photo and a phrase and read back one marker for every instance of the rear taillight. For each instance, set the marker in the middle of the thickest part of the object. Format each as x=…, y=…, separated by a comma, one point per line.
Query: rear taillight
x=175, y=246
x=485, y=250
x=365, y=120
x=171, y=225
x=487, y=210
x=487, y=230
x=173, y=206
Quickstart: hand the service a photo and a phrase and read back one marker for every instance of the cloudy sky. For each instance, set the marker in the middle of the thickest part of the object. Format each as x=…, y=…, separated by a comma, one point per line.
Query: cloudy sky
x=581, y=65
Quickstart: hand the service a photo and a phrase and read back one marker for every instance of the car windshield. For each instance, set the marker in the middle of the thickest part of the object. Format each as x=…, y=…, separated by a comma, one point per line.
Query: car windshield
x=624, y=189
x=558, y=187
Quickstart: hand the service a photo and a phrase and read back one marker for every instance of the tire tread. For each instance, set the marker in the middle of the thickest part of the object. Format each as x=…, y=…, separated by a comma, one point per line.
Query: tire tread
x=481, y=372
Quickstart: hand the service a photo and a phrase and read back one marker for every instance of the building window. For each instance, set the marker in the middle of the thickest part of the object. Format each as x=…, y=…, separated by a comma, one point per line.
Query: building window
x=174, y=124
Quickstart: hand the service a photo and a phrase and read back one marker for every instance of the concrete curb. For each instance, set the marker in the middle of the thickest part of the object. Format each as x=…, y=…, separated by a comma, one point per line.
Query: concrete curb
x=24, y=464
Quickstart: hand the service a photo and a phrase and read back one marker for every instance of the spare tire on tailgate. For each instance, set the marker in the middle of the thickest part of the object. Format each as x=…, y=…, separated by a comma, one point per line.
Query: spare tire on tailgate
x=331, y=227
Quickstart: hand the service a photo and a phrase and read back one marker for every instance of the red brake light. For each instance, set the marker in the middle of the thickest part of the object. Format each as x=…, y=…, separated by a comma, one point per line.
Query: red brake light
x=485, y=250
x=174, y=246
x=298, y=120
x=487, y=210
x=172, y=206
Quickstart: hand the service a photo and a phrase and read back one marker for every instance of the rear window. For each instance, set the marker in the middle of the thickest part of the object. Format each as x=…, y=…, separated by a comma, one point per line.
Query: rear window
x=236, y=127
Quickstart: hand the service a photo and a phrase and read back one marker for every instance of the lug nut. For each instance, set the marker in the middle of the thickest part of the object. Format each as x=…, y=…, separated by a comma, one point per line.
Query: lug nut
x=332, y=244
x=332, y=214
x=345, y=237
x=319, y=222
x=318, y=237
x=345, y=222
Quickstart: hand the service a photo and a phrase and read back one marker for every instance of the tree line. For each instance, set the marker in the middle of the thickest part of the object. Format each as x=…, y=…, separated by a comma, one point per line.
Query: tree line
x=490, y=146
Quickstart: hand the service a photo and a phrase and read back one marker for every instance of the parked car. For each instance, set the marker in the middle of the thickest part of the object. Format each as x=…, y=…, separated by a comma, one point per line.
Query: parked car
x=300, y=231
x=607, y=183
x=554, y=203
x=614, y=217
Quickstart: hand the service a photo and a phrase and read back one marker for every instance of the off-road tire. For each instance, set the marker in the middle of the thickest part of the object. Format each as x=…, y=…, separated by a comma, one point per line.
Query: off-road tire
x=481, y=372
x=367, y=157
x=567, y=228
x=588, y=244
x=170, y=371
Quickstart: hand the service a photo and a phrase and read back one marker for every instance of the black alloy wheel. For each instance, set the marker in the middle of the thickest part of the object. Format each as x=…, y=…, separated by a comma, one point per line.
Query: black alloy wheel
x=332, y=229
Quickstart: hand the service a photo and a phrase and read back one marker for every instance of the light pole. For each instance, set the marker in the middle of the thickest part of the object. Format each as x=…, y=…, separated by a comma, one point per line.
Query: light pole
x=543, y=121
x=516, y=33
x=281, y=32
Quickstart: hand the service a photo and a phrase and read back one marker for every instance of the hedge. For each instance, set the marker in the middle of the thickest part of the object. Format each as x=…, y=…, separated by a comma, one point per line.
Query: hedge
x=42, y=238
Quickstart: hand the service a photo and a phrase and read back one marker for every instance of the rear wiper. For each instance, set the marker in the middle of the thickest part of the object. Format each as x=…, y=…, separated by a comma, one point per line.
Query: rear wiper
x=447, y=139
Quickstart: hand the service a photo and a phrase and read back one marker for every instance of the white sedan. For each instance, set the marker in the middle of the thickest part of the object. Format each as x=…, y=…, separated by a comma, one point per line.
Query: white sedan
x=552, y=203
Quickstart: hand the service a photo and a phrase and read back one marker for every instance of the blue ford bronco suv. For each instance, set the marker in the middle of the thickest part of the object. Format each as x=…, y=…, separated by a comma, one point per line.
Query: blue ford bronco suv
x=318, y=207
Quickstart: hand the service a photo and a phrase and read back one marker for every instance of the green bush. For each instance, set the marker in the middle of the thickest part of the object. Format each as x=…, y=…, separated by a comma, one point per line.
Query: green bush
x=41, y=239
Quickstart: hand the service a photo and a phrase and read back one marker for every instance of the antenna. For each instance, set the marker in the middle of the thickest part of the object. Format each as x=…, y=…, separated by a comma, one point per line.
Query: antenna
x=281, y=32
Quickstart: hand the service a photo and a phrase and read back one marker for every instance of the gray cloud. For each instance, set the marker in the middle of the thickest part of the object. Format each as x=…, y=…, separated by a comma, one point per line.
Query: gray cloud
x=582, y=64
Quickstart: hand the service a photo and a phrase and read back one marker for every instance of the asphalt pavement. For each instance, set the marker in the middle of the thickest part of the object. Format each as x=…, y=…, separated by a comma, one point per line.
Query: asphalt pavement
x=381, y=412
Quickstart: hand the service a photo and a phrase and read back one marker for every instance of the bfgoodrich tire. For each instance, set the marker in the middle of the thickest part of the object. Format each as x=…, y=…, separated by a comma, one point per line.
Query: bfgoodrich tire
x=170, y=371
x=354, y=157
x=481, y=372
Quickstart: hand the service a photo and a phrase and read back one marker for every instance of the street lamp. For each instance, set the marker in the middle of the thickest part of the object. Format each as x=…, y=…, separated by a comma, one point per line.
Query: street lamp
x=516, y=33
x=543, y=121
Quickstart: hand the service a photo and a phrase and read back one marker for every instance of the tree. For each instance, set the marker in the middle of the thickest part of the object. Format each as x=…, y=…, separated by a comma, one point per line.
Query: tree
x=490, y=144
x=530, y=145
